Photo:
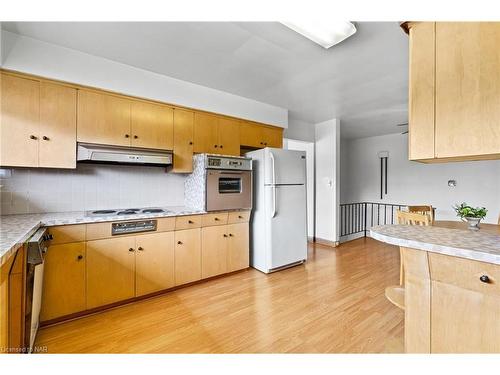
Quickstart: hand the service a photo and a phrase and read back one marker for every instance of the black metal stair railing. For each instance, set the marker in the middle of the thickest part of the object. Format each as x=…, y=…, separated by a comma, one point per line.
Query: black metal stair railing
x=360, y=217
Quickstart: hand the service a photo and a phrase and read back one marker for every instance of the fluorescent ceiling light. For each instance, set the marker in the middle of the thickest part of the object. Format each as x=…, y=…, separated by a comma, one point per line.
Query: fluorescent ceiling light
x=326, y=34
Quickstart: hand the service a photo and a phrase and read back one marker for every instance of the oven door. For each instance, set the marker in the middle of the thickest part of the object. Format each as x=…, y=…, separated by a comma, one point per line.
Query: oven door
x=228, y=190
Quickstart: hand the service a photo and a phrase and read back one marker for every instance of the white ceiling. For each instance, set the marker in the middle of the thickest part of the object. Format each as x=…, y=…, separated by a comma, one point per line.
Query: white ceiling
x=363, y=81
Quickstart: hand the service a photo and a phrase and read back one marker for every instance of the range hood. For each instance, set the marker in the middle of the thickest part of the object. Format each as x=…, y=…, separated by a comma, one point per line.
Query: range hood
x=93, y=153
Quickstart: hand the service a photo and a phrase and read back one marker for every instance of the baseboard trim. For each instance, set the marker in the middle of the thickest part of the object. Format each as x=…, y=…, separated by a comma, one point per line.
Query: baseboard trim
x=322, y=241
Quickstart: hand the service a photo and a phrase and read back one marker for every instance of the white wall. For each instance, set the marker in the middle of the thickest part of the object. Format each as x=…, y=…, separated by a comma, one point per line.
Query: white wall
x=299, y=130
x=89, y=187
x=49, y=60
x=478, y=183
x=327, y=160
x=308, y=147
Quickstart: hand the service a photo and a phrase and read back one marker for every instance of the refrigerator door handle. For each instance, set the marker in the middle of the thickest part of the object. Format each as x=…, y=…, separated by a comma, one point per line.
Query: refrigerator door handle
x=271, y=155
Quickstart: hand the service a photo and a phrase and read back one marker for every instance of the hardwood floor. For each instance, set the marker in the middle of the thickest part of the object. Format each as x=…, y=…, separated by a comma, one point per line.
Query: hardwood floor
x=334, y=303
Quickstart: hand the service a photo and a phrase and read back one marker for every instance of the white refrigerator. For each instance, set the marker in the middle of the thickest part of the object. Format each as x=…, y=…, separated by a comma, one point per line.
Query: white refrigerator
x=278, y=227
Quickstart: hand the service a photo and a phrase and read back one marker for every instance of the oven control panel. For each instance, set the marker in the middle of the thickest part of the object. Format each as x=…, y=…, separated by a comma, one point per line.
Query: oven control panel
x=133, y=227
x=222, y=162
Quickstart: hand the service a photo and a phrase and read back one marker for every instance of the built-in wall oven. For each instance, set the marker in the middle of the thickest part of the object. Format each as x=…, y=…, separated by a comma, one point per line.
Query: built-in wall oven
x=228, y=183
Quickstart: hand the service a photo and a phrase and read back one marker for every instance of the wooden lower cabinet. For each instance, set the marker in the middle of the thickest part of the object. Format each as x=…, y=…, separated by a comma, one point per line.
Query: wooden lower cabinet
x=154, y=263
x=237, y=247
x=213, y=251
x=64, y=281
x=86, y=267
x=187, y=256
x=110, y=271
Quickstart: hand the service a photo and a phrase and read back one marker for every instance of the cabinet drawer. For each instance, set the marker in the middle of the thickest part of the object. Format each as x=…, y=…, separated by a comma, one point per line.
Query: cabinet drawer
x=188, y=222
x=238, y=217
x=465, y=273
x=214, y=219
x=67, y=234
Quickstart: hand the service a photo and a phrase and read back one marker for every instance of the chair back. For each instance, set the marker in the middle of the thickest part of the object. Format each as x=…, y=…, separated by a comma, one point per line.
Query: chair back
x=411, y=218
x=424, y=210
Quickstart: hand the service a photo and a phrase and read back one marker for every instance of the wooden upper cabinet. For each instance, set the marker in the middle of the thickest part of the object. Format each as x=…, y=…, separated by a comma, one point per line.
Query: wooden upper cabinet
x=421, y=87
x=229, y=136
x=63, y=281
x=467, y=89
x=259, y=136
x=19, y=122
x=205, y=133
x=454, y=97
x=183, y=141
x=103, y=119
x=154, y=262
x=251, y=135
x=57, y=142
x=273, y=137
x=152, y=125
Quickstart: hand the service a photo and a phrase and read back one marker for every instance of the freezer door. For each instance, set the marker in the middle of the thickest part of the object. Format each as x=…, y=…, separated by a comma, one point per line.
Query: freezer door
x=287, y=227
x=284, y=167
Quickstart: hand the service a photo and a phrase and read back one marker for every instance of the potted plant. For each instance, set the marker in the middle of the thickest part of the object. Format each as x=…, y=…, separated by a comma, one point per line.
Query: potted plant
x=470, y=214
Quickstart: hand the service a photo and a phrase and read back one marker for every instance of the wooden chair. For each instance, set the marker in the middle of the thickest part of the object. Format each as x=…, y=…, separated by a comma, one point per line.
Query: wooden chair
x=396, y=293
x=424, y=210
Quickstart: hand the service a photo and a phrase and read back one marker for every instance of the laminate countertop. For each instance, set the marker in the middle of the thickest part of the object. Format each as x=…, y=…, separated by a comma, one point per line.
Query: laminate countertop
x=445, y=238
x=17, y=229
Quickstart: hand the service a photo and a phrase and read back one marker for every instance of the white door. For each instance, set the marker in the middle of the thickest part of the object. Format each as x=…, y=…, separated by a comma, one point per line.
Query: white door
x=284, y=167
x=286, y=234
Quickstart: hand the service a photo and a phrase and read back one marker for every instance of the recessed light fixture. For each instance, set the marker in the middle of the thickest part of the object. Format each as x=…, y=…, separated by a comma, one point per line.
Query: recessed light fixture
x=326, y=34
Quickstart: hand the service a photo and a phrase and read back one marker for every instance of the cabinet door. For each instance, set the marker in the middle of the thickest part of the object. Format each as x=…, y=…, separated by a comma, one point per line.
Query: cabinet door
x=152, y=125
x=187, y=256
x=20, y=111
x=183, y=141
x=238, y=250
x=63, y=280
x=229, y=136
x=110, y=271
x=154, y=262
x=467, y=88
x=57, y=126
x=251, y=135
x=213, y=251
x=273, y=137
x=464, y=321
x=205, y=133
x=103, y=119
x=421, y=91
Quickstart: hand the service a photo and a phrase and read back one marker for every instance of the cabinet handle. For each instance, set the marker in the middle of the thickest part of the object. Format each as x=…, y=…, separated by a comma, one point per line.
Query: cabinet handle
x=45, y=138
x=265, y=143
x=221, y=146
x=190, y=143
x=230, y=235
x=485, y=279
x=131, y=249
x=136, y=136
x=216, y=219
x=140, y=248
x=179, y=242
x=240, y=217
x=225, y=235
x=127, y=136
x=33, y=137
x=79, y=257
x=216, y=146
x=190, y=222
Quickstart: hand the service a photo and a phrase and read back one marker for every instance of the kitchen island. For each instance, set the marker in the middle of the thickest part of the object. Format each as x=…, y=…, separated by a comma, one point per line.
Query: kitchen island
x=452, y=286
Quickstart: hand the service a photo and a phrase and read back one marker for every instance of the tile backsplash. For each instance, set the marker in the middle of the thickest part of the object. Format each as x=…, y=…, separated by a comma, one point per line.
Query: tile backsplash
x=89, y=187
